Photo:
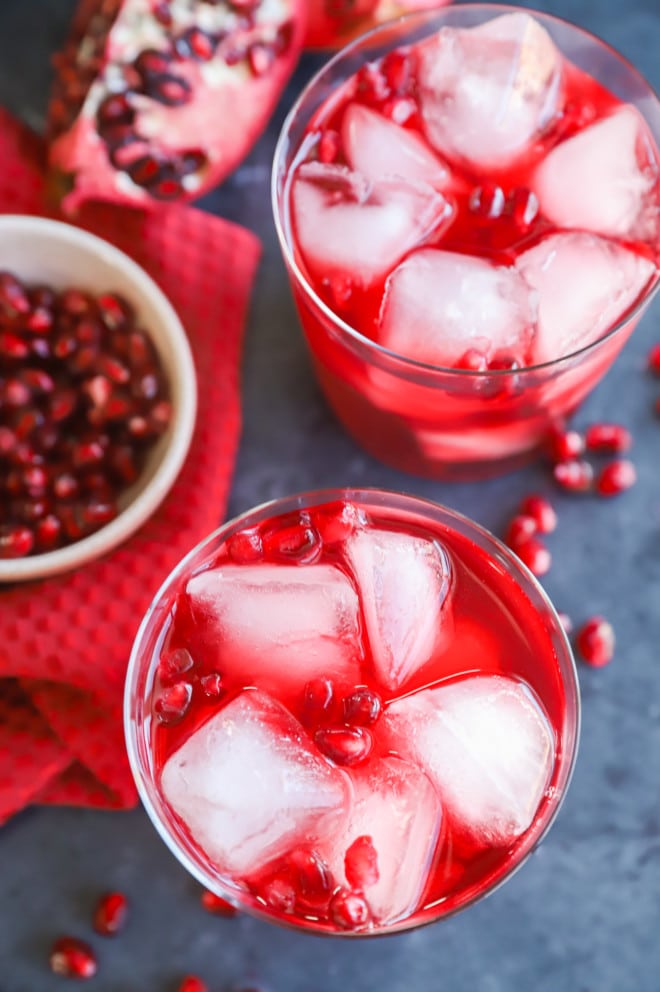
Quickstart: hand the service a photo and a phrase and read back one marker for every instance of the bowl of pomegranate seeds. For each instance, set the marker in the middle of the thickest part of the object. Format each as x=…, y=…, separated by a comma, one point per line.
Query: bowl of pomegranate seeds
x=97, y=397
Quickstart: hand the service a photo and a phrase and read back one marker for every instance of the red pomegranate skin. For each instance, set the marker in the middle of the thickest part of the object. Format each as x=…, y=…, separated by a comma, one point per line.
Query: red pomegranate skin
x=333, y=23
x=158, y=100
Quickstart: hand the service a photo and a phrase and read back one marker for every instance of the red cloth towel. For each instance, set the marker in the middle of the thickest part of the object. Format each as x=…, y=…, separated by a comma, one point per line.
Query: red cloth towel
x=65, y=641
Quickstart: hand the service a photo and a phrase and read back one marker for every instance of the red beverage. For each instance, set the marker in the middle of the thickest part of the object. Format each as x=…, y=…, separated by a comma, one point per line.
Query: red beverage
x=469, y=213
x=353, y=712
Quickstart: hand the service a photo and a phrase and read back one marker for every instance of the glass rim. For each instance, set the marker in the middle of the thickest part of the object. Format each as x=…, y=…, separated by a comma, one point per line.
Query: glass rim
x=564, y=762
x=351, y=334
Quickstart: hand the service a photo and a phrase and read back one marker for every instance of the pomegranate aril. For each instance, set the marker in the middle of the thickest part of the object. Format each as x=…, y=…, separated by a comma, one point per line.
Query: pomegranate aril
x=335, y=522
x=217, y=905
x=75, y=303
x=541, y=511
x=171, y=703
x=300, y=543
x=473, y=361
x=13, y=296
x=12, y=346
x=523, y=207
x=616, y=477
x=65, y=486
x=607, y=437
x=39, y=320
x=245, y=546
x=329, y=144
x=487, y=201
x=212, y=685
x=72, y=958
x=344, y=745
x=565, y=445
x=361, y=863
x=363, y=707
x=191, y=983
x=653, y=359
x=29, y=511
x=115, y=109
x=97, y=512
x=110, y=913
x=261, y=58
x=311, y=872
x=47, y=532
x=174, y=664
x=575, y=475
x=520, y=529
x=318, y=700
x=279, y=894
x=62, y=404
x=15, y=541
x=116, y=313
x=372, y=86
x=535, y=555
x=171, y=90
x=349, y=910
x=396, y=70
x=595, y=642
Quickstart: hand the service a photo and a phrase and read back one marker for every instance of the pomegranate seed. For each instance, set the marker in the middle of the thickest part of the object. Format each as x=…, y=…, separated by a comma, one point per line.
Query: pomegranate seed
x=595, y=642
x=575, y=475
x=487, y=201
x=349, y=910
x=174, y=664
x=312, y=873
x=344, y=745
x=212, y=685
x=15, y=541
x=171, y=704
x=362, y=706
x=372, y=87
x=11, y=346
x=39, y=320
x=195, y=43
x=541, y=511
x=116, y=312
x=48, y=532
x=565, y=445
x=76, y=303
x=245, y=546
x=607, y=437
x=521, y=528
x=16, y=394
x=361, y=863
x=98, y=511
x=217, y=905
x=62, y=405
x=329, y=144
x=280, y=895
x=535, y=555
x=115, y=370
x=616, y=477
x=653, y=359
x=72, y=958
x=65, y=486
x=396, y=70
x=13, y=297
x=337, y=521
x=191, y=983
x=473, y=361
x=115, y=109
x=110, y=913
x=523, y=207
x=86, y=453
x=318, y=701
x=260, y=58
x=300, y=543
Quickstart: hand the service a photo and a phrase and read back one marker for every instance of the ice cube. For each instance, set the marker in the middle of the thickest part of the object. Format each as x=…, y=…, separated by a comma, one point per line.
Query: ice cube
x=279, y=626
x=404, y=584
x=397, y=807
x=439, y=304
x=377, y=147
x=487, y=91
x=248, y=784
x=487, y=746
x=602, y=179
x=585, y=284
x=361, y=235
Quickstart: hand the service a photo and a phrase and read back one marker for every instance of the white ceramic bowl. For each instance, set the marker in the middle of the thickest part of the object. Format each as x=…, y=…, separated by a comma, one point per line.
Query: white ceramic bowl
x=45, y=251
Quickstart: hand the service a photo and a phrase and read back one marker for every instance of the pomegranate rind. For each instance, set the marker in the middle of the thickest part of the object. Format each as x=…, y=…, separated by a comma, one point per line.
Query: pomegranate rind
x=227, y=112
x=331, y=27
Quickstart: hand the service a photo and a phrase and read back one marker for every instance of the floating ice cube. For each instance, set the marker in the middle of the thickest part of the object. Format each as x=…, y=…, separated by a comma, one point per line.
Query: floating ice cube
x=249, y=784
x=440, y=304
x=280, y=625
x=602, y=178
x=487, y=91
x=487, y=746
x=404, y=584
x=585, y=284
x=377, y=147
x=396, y=806
x=348, y=226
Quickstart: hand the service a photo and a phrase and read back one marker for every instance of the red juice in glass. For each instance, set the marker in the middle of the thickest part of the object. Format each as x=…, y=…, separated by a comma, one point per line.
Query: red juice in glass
x=467, y=202
x=352, y=712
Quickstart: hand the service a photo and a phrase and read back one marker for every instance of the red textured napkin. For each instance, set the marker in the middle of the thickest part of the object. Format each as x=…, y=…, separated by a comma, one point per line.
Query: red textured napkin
x=65, y=641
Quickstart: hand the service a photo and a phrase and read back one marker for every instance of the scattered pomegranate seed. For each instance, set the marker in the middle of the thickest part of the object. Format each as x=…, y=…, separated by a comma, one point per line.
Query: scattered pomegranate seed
x=191, y=983
x=535, y=555
x=217, y=905
x=616, y=477
x=564, y=445
x=171, y=704
x=653, y=359
x=344, y=745
x=595, y=642
x=363, y=706
x=541, y=511
x=72, y=958
x=575, y=475
x=110, y=913
x=521, y=528
x=607, y=437
x=349, y=910
x=361, y=864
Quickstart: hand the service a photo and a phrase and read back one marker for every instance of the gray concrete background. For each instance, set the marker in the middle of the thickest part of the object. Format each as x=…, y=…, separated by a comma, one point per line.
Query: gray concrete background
x=583, y=915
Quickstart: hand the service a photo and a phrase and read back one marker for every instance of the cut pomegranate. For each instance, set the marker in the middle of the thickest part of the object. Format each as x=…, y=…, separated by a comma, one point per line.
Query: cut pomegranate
x=535, y=555
x=595, y=642
x=608, y=437
x=349, y=910
x=344, y=745
x=332, y=23
x=136, y=124
x=575, y=475
x=110, y=913
x=217, y=905
x=361, y=864
x=67, y=450
x=616, y=477
x=72, y=958
x=541, y=511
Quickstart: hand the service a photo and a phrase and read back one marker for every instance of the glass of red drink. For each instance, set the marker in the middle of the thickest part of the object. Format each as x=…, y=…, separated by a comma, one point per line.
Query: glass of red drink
x=351, y=712
x=467, y=204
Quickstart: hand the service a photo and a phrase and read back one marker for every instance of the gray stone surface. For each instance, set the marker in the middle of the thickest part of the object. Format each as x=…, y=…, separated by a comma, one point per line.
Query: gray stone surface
x=583, y=915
